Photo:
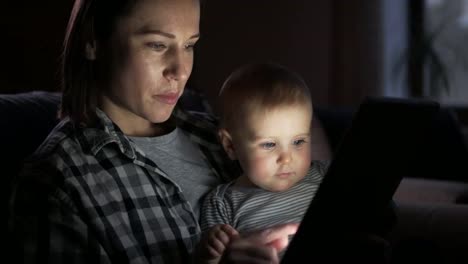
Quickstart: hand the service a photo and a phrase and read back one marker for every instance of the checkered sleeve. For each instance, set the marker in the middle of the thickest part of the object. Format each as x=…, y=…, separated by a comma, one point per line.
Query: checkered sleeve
x=46, y=225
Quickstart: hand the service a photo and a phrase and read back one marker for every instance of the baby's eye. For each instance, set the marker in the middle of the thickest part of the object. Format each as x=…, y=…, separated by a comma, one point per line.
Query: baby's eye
x=299, y=142
x=268, y=145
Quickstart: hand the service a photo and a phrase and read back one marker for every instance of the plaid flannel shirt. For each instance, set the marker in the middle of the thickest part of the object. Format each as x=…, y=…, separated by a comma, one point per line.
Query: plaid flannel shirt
x=90, y=196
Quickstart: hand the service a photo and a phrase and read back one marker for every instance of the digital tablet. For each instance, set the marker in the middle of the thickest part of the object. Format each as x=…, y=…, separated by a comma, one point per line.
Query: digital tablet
x=355, y=194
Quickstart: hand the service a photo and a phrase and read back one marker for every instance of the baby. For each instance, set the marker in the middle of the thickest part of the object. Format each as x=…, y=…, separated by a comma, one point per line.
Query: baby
x=266, y=125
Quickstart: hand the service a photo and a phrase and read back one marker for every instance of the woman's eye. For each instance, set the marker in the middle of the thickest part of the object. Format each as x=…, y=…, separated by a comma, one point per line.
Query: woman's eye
x=190, y=46
x=268, y=145
x=156, y=46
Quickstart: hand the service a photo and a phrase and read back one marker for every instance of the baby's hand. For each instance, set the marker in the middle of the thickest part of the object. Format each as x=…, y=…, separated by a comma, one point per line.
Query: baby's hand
x=259, y=246
x=214, y=242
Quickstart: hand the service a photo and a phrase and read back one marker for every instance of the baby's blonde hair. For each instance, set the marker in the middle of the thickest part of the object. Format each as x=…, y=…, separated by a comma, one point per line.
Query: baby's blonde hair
x=260, y=87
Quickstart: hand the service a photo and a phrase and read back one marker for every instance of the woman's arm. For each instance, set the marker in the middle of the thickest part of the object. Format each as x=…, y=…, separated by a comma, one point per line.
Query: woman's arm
x=45, y=224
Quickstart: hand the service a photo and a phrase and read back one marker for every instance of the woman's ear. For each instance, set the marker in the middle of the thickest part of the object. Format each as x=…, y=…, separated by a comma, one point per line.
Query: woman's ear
x=226, y=141
x=90, y=50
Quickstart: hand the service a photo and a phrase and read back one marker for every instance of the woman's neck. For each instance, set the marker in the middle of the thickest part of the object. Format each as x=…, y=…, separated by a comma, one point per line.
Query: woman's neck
x=134, y=125
x=148, y=130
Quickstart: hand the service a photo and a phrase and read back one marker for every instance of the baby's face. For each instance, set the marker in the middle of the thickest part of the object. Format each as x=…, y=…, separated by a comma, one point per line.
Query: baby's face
x=274, y=148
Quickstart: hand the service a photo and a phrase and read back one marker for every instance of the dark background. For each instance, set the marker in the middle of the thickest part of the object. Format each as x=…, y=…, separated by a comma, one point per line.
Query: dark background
x=32, y=34
x=335, y=45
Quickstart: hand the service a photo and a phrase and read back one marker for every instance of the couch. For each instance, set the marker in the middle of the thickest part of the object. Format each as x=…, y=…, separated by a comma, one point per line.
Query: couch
x=432, y=199
x=431, y=202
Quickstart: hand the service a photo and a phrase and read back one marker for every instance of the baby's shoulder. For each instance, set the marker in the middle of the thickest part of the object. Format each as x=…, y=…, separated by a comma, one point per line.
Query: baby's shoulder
x=320, y=166
x=220, y=191
x=316, y=171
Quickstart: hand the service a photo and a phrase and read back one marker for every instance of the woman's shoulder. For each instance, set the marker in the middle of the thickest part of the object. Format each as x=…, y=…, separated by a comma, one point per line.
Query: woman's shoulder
x=43, y=167
x=200, y=121
x=65, y=153
x=195, y=113
x=65, y=144
x=56, y=139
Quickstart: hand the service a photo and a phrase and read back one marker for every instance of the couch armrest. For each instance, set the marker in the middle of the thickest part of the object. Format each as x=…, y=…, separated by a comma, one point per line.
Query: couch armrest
x=435, y=233
x=429, y=191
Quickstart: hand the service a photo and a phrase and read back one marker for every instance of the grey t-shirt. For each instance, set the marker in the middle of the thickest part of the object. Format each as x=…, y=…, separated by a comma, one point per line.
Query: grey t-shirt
x=183, y=162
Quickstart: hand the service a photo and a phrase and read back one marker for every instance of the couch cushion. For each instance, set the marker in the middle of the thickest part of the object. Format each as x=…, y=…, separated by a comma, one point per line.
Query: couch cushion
x=25, y=121
x=431, y=233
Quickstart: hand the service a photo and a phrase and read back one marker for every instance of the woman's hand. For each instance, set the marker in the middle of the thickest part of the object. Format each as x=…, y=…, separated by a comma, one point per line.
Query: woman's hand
x=259, y=247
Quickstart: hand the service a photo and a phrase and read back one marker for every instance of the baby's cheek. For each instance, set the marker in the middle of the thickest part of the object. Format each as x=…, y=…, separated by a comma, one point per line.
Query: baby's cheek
x=261, y=168
x=305, y=160
x=304, y=168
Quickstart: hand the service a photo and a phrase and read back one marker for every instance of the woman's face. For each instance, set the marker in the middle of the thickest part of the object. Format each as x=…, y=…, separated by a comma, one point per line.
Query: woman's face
x=150, y=58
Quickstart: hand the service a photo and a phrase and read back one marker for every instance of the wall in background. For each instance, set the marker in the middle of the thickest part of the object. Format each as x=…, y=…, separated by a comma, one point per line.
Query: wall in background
x=32, y=35
x=356, y=51
x=335, y=45
x=296, y=34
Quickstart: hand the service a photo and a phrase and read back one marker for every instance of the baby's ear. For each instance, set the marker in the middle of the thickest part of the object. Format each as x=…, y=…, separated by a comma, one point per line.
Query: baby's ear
x=226, y=140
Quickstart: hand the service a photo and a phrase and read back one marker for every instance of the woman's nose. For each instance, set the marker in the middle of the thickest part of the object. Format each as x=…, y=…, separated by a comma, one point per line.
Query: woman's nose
x=178, y=67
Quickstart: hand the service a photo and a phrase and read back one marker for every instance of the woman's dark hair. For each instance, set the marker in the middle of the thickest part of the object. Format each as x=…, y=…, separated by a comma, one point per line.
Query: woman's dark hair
x=90, y=20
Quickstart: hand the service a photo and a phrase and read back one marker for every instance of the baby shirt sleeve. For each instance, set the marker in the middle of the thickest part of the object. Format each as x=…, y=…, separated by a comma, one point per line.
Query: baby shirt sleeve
x=215, y=209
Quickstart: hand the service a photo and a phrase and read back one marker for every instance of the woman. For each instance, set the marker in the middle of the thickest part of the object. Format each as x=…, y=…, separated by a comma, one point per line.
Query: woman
x=120, y=178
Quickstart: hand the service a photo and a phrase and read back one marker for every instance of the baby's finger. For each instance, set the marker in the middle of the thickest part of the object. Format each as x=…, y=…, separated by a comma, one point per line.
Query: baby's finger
x=216, y=247
x=229, y=230
x=276, y=237
x=226, y=234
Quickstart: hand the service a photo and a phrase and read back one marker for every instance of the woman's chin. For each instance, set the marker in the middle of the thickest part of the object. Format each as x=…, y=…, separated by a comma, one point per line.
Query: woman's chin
x=159, y=120
x=160, y=117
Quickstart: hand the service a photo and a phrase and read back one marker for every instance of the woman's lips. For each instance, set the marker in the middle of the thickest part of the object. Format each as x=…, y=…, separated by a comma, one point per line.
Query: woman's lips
x=168, y=98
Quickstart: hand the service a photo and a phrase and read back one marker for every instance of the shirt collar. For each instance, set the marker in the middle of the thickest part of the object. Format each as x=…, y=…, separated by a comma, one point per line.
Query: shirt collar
x=105, y=133
x=199, y=129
